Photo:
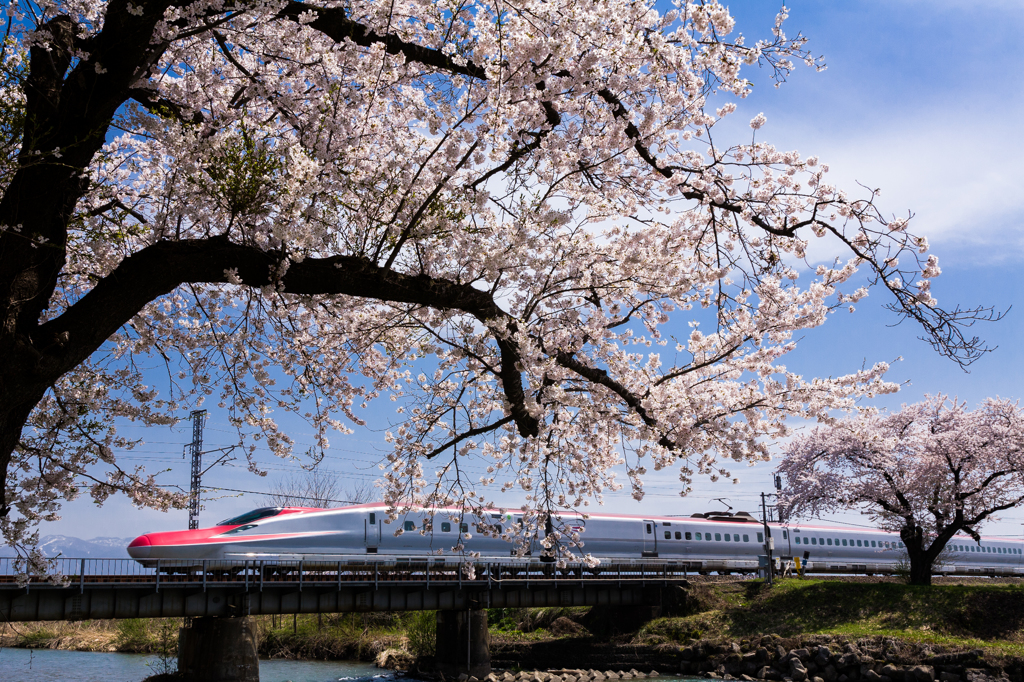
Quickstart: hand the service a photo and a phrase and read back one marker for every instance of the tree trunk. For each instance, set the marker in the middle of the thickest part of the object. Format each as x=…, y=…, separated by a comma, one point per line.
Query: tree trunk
x=920, y=570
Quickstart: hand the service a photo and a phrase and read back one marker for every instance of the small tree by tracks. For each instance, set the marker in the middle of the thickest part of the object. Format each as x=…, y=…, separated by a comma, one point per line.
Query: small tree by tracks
x=928, y=472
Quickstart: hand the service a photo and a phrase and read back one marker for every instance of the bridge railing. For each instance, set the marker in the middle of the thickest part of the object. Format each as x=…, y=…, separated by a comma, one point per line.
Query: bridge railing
x=340, y=571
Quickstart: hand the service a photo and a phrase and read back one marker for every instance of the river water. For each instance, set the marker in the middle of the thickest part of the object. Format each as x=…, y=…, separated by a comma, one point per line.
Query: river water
x=47, y=665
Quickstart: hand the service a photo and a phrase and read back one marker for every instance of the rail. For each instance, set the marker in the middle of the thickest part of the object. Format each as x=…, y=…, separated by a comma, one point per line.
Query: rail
x=254, y=573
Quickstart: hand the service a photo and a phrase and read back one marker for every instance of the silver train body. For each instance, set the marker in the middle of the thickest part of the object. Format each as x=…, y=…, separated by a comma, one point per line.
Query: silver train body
x=704, y=542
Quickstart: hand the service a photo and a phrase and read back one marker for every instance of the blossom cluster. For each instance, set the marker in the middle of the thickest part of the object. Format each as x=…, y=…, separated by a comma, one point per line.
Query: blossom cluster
x=550, y=158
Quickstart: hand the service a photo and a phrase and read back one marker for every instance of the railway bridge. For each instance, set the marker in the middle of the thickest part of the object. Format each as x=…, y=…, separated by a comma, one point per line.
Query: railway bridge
x=215, y=597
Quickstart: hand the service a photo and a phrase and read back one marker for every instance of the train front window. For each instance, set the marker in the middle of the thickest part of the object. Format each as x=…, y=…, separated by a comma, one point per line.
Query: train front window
x=249, y=517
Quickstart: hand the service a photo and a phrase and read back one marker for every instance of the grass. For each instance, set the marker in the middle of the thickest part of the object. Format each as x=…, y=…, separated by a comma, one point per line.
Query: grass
x=989, y=617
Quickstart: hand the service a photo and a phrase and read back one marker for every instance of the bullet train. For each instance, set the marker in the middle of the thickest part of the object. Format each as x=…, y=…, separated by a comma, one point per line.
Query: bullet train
x=711, y=541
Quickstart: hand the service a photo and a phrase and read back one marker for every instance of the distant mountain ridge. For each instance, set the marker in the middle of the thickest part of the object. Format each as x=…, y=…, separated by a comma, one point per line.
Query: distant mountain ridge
x=77, y=548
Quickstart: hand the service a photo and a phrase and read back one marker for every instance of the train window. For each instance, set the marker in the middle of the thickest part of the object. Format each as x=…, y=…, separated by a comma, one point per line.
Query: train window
x=373, y=519
x=873, y=544
x=698, y=536
x=463, y=527
x=689, y=535
x=829, y=541
x=410, y=525
x=679, y=536
x=814, y=541
x=649, y=531
x=249, y=517
x=785, y=535
x=746, y=538
x=446, y=527
x=760, y=537
x=668, y=535
x=718, y=537
x=844, y=542
x=707, y=537
x=667, y=523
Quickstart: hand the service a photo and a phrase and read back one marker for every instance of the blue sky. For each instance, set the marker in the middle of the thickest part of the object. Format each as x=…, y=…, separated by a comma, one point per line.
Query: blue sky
x=922, y=99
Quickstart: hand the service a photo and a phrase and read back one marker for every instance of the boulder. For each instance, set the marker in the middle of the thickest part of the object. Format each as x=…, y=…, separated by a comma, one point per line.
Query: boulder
x=892, y=672
x=923, y=673
x=797, y=670
x=829, y=673
x=848, y=660
x=803, y=654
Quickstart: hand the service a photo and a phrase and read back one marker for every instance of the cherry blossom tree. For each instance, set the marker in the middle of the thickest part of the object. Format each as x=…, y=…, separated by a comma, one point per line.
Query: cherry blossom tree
x=485, y=211
x=928, y=472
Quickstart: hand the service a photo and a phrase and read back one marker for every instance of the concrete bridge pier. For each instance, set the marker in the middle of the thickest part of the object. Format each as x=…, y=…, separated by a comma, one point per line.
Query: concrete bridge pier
x=218, y=650
x=463, y=643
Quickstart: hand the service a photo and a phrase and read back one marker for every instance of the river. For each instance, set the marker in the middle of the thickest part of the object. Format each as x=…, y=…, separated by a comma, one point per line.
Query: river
x=46, y=665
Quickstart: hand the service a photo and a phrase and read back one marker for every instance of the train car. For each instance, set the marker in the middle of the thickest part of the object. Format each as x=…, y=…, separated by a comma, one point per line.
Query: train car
x=712, y=541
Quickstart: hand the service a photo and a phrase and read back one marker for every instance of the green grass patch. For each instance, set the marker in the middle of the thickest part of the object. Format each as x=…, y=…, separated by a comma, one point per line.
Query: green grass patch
x=972, y=616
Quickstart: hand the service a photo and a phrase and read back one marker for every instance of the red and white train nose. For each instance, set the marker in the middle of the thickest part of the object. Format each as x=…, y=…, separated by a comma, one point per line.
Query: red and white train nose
x=140, y=547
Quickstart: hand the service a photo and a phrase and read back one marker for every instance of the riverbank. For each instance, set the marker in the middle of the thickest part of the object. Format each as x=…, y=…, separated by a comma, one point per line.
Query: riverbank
x=350, y=636
x=889, y=622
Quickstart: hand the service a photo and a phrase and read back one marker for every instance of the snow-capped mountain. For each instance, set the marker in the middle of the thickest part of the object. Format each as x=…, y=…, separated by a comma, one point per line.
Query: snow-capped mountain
x=67, y=546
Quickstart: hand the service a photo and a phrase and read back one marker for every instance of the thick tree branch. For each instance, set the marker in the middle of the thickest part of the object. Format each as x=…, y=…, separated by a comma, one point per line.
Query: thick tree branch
x=334, y=23
x=160, y=268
